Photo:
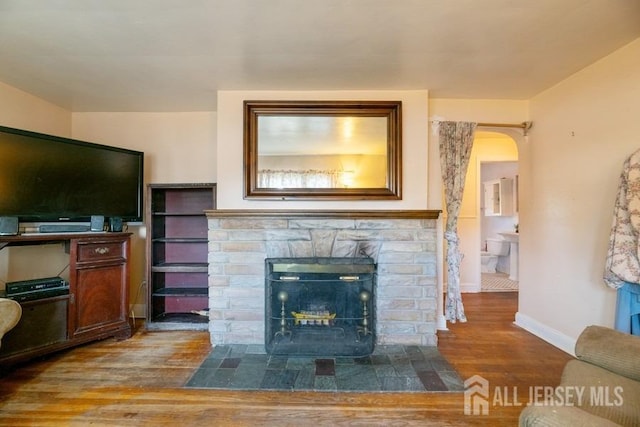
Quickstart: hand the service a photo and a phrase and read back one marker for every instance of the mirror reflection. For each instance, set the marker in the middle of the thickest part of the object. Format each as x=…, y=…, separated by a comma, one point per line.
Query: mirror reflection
x=322, y=152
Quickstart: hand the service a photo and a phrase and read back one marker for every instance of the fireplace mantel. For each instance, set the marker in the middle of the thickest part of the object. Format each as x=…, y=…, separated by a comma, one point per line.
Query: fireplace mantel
x=337, y=214
x=401, y=242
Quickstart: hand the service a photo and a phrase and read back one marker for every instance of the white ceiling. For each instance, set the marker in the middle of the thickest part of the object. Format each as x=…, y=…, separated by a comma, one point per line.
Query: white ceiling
x=173, y=55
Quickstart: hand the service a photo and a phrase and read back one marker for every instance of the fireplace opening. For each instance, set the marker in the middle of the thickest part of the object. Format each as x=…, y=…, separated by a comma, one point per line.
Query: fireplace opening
x=320, y=306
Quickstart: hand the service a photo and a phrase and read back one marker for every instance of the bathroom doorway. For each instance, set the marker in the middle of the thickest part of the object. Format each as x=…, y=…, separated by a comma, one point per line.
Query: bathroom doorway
x=497, y=195
x=499, y=226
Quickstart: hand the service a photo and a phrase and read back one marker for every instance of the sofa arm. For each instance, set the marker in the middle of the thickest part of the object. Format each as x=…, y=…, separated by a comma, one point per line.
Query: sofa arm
x=610, y=349
x=10, y=312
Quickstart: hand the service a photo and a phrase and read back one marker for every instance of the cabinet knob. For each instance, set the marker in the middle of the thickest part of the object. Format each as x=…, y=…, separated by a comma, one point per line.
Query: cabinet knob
x=101, y=251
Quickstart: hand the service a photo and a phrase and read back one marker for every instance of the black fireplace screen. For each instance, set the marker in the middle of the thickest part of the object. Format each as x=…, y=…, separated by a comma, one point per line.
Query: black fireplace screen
x=320, y=306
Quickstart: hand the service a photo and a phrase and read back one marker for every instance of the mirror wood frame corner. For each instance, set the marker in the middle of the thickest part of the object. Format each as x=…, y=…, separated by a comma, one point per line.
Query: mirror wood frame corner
x=367, y=114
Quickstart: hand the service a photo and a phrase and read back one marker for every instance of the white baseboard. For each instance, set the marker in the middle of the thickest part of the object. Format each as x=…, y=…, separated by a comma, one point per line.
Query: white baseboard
x=470, y=288
x=441, y=323
x=550, y=335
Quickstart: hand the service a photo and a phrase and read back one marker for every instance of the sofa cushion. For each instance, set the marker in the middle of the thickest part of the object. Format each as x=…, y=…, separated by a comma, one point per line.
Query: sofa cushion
x=604, y=394
x=560, y=416
x=613, y=350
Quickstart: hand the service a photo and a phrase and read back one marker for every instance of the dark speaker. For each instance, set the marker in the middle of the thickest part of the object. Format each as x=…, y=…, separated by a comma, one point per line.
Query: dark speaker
x=97, y=223
x=115, y=224
x=8, y=225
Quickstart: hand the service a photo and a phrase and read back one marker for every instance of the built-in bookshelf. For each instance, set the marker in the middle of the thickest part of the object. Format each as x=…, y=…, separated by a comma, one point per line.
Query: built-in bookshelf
x=177, y=268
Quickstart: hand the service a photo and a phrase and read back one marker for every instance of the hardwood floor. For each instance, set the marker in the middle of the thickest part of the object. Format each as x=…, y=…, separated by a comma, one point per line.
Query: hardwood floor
x=138, y=382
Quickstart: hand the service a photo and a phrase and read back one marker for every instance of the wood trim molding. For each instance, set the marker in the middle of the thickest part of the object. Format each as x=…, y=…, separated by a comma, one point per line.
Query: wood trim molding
x=339, y=214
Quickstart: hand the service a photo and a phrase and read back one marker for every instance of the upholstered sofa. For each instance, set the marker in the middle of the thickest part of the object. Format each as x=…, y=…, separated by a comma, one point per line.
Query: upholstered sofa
x=10, y=312
x=607, y=372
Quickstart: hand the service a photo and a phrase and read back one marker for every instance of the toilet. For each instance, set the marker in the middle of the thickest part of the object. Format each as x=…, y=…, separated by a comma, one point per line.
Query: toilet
x=489, y=259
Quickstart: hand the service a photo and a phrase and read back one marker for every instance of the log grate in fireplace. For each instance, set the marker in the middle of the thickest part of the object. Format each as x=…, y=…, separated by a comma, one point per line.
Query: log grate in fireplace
x=320, y=306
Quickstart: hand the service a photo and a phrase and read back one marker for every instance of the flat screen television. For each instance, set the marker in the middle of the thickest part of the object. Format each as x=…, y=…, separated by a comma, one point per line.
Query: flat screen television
x=45, y=178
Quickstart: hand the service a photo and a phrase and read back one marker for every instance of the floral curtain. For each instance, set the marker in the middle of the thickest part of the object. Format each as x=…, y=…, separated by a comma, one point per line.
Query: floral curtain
x=622, y=266
x=456, y=140
x=270, y=178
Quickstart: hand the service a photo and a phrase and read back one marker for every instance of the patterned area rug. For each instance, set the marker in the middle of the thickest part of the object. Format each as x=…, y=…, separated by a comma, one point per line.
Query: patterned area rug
x=393, y=368
x=498, y=282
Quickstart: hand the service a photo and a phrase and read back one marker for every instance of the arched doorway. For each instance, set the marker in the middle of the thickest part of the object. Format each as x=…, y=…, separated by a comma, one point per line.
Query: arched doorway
x=499, y=150
x=469, y=227
x=497, y=185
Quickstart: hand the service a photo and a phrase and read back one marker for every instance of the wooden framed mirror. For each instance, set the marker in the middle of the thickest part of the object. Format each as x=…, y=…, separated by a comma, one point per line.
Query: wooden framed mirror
x=323, y=150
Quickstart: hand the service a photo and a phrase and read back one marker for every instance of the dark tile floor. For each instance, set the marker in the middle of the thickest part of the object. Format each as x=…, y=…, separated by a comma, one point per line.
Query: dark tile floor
x=393, y=368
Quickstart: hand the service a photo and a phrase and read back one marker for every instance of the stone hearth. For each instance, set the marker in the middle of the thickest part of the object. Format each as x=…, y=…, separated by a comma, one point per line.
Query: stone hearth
x=402, y=243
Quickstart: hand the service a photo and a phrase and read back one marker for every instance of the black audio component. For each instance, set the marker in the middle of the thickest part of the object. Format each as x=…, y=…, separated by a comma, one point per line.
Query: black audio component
x=63, y=228
x=22, y=286
x=36, y=295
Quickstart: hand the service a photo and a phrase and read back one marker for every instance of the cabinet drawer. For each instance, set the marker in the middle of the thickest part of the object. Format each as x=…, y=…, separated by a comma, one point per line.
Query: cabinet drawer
x=100, y=251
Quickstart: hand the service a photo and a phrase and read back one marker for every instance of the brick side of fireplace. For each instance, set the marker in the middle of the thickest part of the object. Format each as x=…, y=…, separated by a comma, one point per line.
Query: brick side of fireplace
x=403, y=248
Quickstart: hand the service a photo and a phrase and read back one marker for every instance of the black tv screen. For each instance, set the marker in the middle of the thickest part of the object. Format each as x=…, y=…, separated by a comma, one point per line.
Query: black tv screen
x=46, y=178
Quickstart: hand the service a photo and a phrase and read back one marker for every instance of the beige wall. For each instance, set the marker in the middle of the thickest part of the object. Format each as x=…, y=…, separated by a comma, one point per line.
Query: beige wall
x=21, y=110
x=414, y=137
x=178, y=147
x=584, y=129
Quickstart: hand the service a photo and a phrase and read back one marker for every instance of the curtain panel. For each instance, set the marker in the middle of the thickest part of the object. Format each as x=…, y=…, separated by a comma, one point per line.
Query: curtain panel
x=456, y=141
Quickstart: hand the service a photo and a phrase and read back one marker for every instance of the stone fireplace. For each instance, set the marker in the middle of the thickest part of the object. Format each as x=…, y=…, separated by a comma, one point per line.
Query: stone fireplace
x=401, y=244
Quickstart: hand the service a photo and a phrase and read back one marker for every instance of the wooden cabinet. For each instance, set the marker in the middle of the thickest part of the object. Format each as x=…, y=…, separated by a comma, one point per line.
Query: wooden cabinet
x=100, y=301
x=498, y=197
x=96, y=306
x=177, y=251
